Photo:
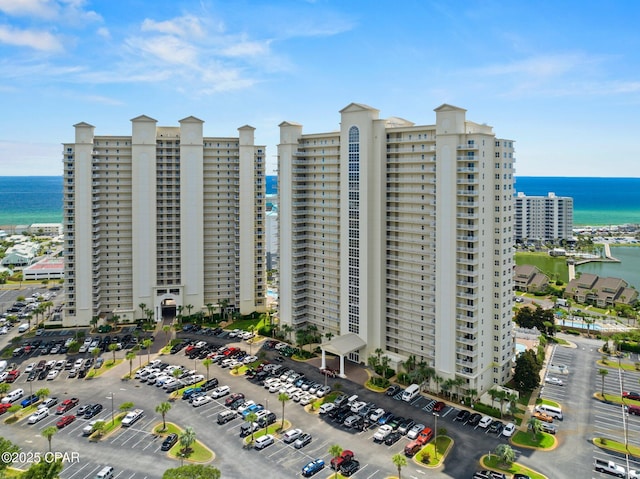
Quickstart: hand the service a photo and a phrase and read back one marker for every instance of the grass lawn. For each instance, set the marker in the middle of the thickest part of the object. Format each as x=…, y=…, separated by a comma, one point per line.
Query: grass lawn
x=244, y=324
x=543, y=440
x=22, y=413
x=613, y=364
x=108, y=427
x=273, y=429
x=171, y=428
x=327, y=399
x=444, y=442
x=492, y=462
x=612, y=398
x=617, y=446
x=551, y=266
x=548, y=402
x=200, y=453
x=106, y=366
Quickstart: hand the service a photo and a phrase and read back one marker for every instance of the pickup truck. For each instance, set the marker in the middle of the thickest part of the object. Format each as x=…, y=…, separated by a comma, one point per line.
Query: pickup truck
x=609, y=467
x=132, y=417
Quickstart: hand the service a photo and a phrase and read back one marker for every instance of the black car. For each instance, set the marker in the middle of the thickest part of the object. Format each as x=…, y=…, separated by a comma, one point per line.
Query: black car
x=169, y=442
x=350, y=468
x=474, y=419
x=496, y=427
x=93, y=411
x=392, y=438
x=176, y=348
x=210, y=384
x=267, y=420
x=43, y=374
x=463, y=415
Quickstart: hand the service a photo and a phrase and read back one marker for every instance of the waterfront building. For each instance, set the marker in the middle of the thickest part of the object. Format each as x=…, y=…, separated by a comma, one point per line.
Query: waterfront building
x=163, y=219
x=529, y=279
x=399, y=237
x=543, y=218
x=21, y=254
x=607, y=292
x=49, y=229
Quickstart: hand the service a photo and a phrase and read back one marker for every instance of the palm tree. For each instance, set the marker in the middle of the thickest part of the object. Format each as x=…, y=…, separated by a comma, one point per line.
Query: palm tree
x=4, y=389
x=502, y=397
x=505, y=453
x=143, y=308
x=49, y=432
x=603, y=372
x=251, y=418
x=126, y=406
x=167, y=331
x=113, y=347
x=335, y=451
x=438, y=380
x=187, y=437
x=512, y=399
x=130, y=357
x=189, y=308
x=535, y=426
x=207, y=362
x=283, y=398
x=42, y=393
x=410, y=364
x=494, y=394
x=446, y=386
x=146, y=344
x=399, y=460
x=472, y=394
x=163, y=408
x=210, y=310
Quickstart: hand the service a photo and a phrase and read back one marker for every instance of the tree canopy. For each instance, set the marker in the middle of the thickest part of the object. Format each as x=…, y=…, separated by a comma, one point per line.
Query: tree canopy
x=43, y=470
x=542, y=319
x=6, y=446
x=526, y=374
x=192, y=471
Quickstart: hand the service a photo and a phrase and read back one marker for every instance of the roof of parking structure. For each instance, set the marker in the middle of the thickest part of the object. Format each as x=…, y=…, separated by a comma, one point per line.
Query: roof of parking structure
x=344, y=344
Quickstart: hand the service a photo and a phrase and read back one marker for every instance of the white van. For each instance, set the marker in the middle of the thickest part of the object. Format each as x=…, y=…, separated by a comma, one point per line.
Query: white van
x=411, y=392
x=23, y=328
x=554, y=412
x=105, y=473
x=13, y=396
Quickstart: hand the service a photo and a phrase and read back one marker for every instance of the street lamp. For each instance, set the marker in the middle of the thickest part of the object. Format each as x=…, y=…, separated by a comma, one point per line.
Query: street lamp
x=112, y=418
x=435, y=444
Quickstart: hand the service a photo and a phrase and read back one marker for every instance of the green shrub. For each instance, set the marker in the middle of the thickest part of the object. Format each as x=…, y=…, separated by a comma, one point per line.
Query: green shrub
x=486, y=409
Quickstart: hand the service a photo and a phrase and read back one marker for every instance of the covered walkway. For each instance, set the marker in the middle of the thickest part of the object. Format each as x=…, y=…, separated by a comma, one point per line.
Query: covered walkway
x=341, y=346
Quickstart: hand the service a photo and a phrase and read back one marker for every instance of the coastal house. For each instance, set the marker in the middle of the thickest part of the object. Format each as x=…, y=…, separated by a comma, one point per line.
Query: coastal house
x=529, y=279
x=20, y=255
x=602, y=292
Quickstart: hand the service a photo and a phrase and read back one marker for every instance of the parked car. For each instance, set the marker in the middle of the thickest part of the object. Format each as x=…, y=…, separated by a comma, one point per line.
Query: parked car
x=392, y=438
x=303, y=440
x=313, y=467
x=509, y=429
x=200, y=401
x=393, y=390
x=474, y=419
x=220, y=391
x=415, y=430
x=291, y=435
x=48, y=402
x=346, y=456
x=29, y=400
x=439, y=406
x=542, y=416
x=462, y=415
x=38, y=415
x=264, y=441
x=66, y=405
x=326, y=408
x=65, y=421
x=93, y=411
x=169, y=442
x=553, y=380
x=350, y=468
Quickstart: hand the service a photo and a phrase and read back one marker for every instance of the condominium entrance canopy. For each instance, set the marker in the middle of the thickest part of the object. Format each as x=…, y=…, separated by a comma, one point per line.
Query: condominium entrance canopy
x=341, y=346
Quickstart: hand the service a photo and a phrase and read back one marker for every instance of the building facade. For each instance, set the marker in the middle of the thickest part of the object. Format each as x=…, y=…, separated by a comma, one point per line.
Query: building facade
x=162, y=219
x=402, y=235
x=543, y=218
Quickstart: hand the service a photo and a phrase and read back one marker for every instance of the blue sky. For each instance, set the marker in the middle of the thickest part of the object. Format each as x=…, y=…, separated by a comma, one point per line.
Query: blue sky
x=562, y=79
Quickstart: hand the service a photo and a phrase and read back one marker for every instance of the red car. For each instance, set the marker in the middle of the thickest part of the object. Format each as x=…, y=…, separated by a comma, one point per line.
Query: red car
x=4, y=407
x=12, y=376
x=66, y=405
x=345, y=457
x=631, y=395
x=439, y=406
x=65, y=421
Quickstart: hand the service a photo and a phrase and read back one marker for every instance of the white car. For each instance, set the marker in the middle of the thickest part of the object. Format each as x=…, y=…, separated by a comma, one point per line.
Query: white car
x=88, y=429
x=291, y=435
x=220, y=391
x=509, y=429
x=485, y=421
x=250, y=359
x=245, y=405
x=382, y=432
x=201, y=400
x=275, y=387
x=307, y=399
x=38, y=415
x=556, y=381
x=29, y=368
x=323, y=391
x=326, y=407
x=52, y=374
x=377, y=414
x=415, y=430
x=264, y=441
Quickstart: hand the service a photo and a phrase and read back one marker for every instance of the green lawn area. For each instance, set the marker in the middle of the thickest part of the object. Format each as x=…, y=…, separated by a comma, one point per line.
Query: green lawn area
x=108, y=427
x=22, y=413
x=616, y=446
x=430, y=449
x=327, y=399
x=106, y=366
x=613, y=364
x=548, y=402
x=200, y=453
x=244, y=324
x=612, y=398
x=491, y=462
x=552, y=267
x=543, y=440
x=171, y=428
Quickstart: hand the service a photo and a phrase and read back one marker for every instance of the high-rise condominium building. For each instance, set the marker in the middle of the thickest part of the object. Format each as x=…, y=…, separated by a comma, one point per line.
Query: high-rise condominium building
x=163, y=218
x=400, y=237
x=543, y=218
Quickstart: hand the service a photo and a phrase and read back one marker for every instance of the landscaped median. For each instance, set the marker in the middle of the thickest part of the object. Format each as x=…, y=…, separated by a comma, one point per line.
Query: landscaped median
x=200, y=453
x=615, y=446
x=543, y=441
x=107, y=366
x=434, y=453
x=108, y=427
x=493, y=463
x=276, y=429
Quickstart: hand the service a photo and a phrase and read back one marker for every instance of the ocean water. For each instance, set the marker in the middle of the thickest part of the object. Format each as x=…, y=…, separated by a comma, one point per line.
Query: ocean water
x=596, y=201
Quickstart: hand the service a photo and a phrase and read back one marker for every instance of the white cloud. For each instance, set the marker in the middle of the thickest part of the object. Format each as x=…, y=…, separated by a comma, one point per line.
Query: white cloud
x=36, y=39
x=186, y=26
x=247, y=49
x=104, y=32
x=30, y=8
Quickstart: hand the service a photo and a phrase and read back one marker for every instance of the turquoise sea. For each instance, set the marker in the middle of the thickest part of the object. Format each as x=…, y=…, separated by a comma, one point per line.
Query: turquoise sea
x=597, y=201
